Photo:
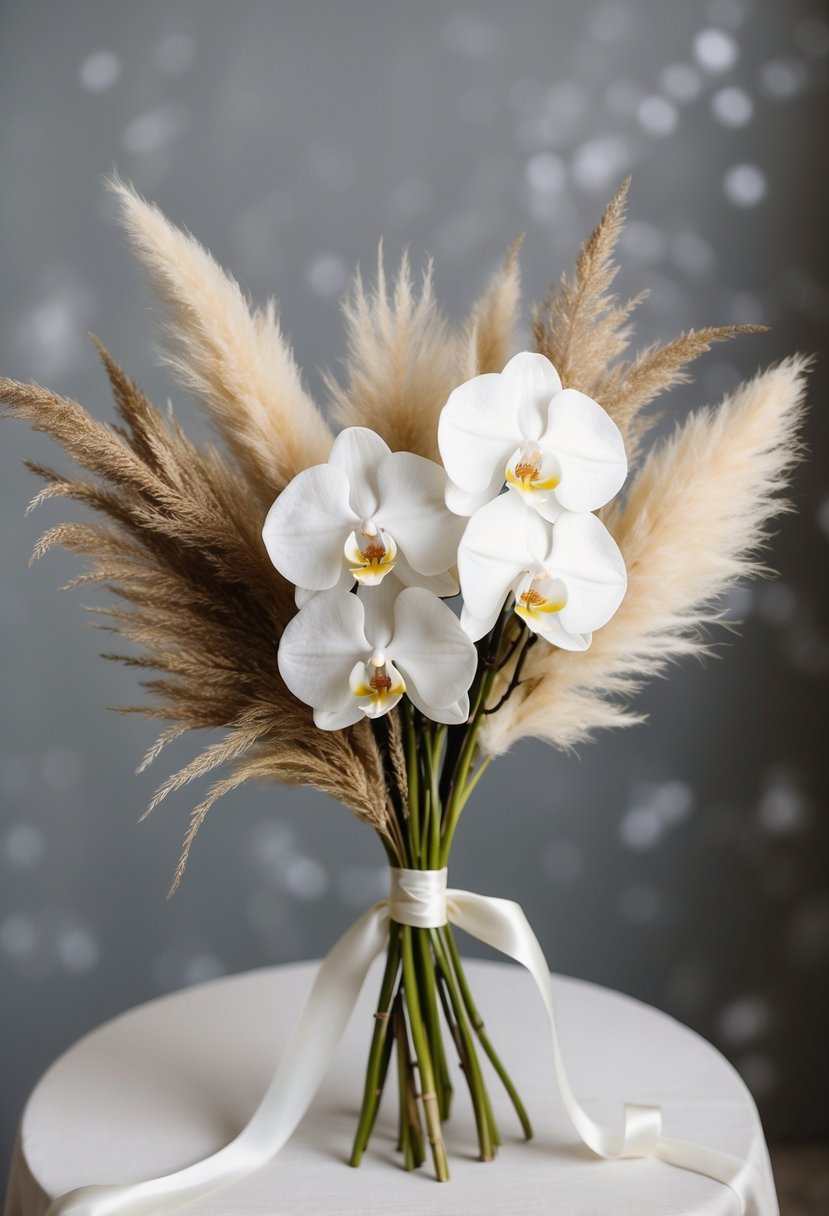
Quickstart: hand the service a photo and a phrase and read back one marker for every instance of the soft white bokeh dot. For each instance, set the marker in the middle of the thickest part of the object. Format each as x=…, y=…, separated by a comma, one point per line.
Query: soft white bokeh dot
x=715, y=50
x=99, y=71
x=673, y=801
x=644, y=241
x=18, y=937
x=693, y=255
x=78, y=951
x=657, y=115
x=306, y=878
x=641, y=828
x=175, y=54
x=598, y=163
x=472, y=36
x=745, y=185
x=23, y=846
x=546, y=173
x=782, y=808
x=608, y=22
x=201, y=968
x=681, y=82
x=732, y=107
x=622, y=97
x=327, y=275
x=744, y=1019
x=359, y=886
x=737, y=603
x=156, y=129
x=783, y=79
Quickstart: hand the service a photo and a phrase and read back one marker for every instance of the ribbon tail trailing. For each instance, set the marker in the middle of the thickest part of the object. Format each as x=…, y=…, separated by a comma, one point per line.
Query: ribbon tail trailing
x=498, y=923
x=304, y=1062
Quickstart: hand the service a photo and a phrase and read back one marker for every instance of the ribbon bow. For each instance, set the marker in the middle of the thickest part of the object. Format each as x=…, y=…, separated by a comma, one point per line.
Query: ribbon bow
x=419, y=898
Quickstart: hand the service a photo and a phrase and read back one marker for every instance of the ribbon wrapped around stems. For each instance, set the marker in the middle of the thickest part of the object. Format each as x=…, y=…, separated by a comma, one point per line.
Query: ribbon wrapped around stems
x=419, y=898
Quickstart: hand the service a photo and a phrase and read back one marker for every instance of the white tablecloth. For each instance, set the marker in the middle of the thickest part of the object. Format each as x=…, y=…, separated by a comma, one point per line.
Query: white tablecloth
x=173, y=1080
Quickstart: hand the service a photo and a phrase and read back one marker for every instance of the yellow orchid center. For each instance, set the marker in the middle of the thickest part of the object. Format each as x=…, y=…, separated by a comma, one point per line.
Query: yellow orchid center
x=377, y=684
x=538, y=597
x=532, y=472
x=371, y=554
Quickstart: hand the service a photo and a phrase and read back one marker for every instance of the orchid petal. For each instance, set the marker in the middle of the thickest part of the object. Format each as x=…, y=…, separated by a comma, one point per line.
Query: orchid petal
x=467, y=502
x=443, y=585
x=434, y=655
x=337, y=719
x=589, y=448
x=452, y=715
x=501, y=540
x=413, y=510
x=306, y=526
x=477, y=627
x=587, y=560
x=302, y=595
x=477, y=430
x=319, y=648
x=555, y=633
x=358, y=452
x=531, y=380
x=378, y=608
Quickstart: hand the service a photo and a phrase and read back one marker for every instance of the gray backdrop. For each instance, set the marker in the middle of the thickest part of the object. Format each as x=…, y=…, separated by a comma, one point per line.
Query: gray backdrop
x=683, y=861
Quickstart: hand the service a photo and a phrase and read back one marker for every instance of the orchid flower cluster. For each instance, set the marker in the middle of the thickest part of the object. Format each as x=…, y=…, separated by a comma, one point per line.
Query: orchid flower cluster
x=508, y=521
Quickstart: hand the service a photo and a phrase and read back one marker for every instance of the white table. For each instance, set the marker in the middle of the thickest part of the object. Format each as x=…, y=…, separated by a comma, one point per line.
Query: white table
x=175, y=1079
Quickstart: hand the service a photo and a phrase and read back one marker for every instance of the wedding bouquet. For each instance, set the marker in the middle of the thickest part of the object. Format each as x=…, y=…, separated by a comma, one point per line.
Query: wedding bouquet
x=381, y=614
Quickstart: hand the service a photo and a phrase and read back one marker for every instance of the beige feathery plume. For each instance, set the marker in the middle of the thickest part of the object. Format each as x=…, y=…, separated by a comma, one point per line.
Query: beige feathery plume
x=693, y=521
x=489, y=337
x=180, y=547
x=401, y=362
x=580, y=326
x=584, y=330
x=237, y=361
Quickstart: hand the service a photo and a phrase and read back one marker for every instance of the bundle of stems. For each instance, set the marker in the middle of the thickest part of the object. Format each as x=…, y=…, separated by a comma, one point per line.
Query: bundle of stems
x=424, y=991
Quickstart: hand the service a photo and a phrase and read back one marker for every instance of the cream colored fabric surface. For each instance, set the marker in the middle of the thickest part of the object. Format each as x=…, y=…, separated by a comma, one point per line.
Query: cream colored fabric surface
x=171, y=1081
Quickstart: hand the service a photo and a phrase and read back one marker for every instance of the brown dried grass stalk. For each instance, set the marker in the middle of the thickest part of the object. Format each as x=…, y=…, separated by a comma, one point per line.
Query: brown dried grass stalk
x=178, y=539
x=584, y=330
x=179, y=545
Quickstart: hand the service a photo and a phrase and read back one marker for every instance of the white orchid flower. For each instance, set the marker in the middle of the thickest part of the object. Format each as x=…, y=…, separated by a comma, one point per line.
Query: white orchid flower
x=555, y=448
x=367, y=512
x=350, y=656
x=567, y=579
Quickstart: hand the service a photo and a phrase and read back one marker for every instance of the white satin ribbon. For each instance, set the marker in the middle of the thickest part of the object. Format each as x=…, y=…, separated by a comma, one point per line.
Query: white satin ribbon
x=419, y=898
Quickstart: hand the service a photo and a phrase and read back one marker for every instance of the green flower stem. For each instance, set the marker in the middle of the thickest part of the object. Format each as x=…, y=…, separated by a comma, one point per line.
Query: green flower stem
x=404, y=1139
x=429, y=1004
x=472, y=1068
x=373, y=1084
x=478, y=1025
x=414, y=782
x=428, y=1095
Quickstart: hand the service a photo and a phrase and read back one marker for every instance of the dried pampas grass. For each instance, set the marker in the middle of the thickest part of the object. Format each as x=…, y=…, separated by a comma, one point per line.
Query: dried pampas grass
x=178, y=534
x=401, y=363
x=179, y=545
x=693, y=521
x=584, y=330
x=236, y=360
